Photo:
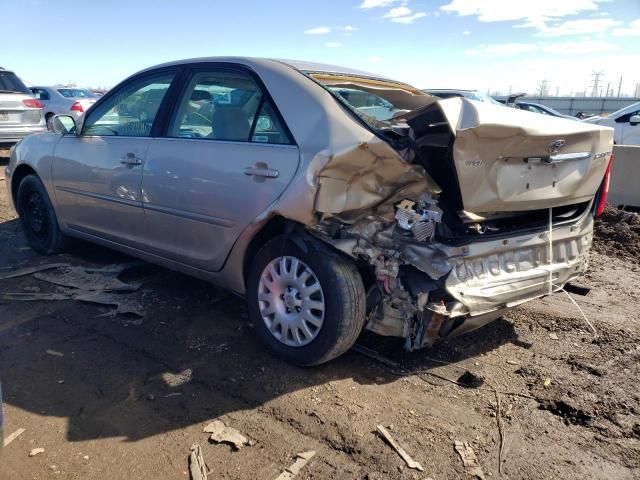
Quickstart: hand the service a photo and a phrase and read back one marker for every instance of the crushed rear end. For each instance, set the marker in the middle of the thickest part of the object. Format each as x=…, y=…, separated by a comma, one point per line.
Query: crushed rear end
x=461, y=210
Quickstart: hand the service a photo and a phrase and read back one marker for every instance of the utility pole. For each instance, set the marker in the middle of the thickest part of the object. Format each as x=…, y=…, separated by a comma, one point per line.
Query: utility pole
x=619, y=86
x=607, y=92
x=637, y=92
x=595, y=83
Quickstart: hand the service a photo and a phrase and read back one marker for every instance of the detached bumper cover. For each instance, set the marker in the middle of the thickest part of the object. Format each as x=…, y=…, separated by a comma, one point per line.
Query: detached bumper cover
x=499, y=274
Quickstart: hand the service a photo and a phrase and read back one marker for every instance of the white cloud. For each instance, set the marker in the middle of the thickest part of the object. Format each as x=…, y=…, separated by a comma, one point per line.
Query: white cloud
x=348, y=28
x=397, y=12
x=579, y=27
x=376, y=3
x=318, y=31
x=633, y=30
x=332, y=44
x=560, y=48
x=466, y=32
x=535, y=14
x=410, y=18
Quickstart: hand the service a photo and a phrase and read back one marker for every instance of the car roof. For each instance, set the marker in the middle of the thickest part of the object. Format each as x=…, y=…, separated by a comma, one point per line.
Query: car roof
x=450, y=90
x=300, y=65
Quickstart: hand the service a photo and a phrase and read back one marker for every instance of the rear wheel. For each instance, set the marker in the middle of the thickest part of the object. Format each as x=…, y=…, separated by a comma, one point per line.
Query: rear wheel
x=37, y=217
x=307, y=304
x=49, y=118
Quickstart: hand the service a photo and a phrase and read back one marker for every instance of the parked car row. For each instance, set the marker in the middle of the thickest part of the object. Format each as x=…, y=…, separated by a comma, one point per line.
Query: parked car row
x=26, y=110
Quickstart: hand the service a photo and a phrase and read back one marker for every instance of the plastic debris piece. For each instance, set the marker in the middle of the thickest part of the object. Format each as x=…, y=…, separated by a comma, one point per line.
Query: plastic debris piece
x=547, y=382
x=294, y=469
x=21, y=272
x=13, y=436
x=55, y=353
x=553, y=336
x=411, y=463
x=36, y=451
x=220, y=433
x=469, y=459
x=197, y=467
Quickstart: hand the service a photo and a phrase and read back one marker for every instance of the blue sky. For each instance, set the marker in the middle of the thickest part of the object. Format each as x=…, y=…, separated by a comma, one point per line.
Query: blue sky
x=488, y=44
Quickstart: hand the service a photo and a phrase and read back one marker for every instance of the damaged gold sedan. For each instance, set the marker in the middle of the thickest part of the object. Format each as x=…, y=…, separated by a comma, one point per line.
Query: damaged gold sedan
x=334, y=200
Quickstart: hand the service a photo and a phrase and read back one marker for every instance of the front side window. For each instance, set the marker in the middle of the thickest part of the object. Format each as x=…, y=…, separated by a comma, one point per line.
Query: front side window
x=226, y=105
x=131, y=110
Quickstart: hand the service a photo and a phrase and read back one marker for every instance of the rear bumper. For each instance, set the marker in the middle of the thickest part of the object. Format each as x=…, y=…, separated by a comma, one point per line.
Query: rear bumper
x=500, y=274
x=14, y=134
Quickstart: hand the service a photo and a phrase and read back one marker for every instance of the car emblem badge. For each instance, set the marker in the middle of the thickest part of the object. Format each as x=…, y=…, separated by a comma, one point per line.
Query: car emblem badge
x=556, y=146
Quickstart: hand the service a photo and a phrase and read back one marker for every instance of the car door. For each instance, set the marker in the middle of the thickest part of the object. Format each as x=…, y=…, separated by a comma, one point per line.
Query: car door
x=97, y=173
x=226, y=157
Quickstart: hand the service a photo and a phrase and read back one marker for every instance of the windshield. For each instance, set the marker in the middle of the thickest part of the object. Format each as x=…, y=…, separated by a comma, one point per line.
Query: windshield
x=482, y=97
x=375, y=101
x=10, y=83
x=627, y=109
x=76, y=93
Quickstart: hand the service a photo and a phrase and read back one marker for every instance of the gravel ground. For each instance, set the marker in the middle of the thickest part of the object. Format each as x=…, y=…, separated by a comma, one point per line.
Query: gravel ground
x=122, y=397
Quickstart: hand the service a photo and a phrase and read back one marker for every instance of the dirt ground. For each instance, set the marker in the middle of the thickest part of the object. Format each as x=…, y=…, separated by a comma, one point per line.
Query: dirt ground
x=118, y=396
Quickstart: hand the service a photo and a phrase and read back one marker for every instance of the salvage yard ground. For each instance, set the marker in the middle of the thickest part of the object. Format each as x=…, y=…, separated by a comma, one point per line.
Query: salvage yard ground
x=124, y=395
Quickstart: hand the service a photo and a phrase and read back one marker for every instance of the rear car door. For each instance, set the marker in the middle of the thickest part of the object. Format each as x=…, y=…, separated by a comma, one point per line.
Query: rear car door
x=226, y=157
x=97, y=174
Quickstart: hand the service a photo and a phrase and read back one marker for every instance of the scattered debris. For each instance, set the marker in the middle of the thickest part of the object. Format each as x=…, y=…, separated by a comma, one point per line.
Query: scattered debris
x=36, y=451
x=577, y=289
x=512, y=362
x=301, y=460
x=470, y=380
x=553, y=336
x=173, y=394
x=220, y=433
x=21, y=272
x=197, y=467
x=411, y=463
x=54, y=353
x=547, y=382
x=177, y=379
x=469, y=459
x=91, y=279
x=13, y=436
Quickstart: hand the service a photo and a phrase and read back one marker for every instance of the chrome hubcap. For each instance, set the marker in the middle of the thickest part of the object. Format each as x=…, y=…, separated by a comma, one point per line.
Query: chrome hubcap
x=291, y=301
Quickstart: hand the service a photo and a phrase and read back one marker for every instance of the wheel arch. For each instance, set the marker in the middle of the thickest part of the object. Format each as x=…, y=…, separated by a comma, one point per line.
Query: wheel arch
x=19, y=173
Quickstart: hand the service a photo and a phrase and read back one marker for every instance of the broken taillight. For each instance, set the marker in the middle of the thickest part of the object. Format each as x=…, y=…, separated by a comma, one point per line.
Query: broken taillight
x=32, y=103
x=604, y=189
x=77, y=107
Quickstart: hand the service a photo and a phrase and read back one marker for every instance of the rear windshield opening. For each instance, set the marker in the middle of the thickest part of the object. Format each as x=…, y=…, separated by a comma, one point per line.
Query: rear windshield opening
x=377, y=102
x=10, y=83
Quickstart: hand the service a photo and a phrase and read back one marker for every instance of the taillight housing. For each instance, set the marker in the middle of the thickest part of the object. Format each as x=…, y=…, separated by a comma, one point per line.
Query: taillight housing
x=77, y=107
x=32, y=103
x=604, y=189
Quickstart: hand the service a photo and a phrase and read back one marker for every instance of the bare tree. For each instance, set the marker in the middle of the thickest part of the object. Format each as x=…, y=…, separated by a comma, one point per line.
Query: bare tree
x=543, y=88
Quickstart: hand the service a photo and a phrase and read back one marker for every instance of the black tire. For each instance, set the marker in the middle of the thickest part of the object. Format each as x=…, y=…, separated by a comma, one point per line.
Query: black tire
x=344, y=300
x=48, y=117
x=38, y=219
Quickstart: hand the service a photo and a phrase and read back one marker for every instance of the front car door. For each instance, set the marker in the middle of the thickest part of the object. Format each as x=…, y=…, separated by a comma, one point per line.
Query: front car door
x=97, y=174
x=630, y=132
x=226, y=157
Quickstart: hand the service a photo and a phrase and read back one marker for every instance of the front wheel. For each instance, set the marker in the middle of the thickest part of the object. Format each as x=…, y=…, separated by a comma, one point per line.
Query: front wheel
x=38, y=219
x=307, y=303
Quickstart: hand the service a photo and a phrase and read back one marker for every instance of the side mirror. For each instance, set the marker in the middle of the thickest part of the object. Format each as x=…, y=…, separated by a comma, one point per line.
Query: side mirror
x=64, y=124
x=634, y=120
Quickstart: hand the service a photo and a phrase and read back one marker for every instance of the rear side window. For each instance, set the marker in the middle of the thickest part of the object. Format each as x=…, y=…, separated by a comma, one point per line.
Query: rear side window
x=40, y=93
x=10, y=83
x=226, y=105
x=131, y=110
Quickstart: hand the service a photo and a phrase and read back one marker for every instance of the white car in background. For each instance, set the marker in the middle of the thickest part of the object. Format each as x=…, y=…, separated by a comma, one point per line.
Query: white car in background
x=625, y=122
x=64, y=100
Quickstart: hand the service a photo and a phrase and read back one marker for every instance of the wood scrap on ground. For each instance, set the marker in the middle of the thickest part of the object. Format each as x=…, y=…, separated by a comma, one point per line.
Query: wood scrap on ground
x=13, y=436
x=197, y=467
x=294, y=469
x=411, y=463
x=469, y=459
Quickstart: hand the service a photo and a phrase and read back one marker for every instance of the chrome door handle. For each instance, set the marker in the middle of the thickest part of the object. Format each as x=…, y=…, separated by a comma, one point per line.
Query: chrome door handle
x=130, y=159
x=261, y=171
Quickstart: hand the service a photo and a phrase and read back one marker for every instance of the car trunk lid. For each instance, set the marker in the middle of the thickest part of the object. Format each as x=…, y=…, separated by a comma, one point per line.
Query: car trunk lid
x=509, y=160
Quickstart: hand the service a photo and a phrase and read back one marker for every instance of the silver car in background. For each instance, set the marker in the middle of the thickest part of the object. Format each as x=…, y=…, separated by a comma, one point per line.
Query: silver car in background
x=20, y=113
x=334, y=200
x=64, y=100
